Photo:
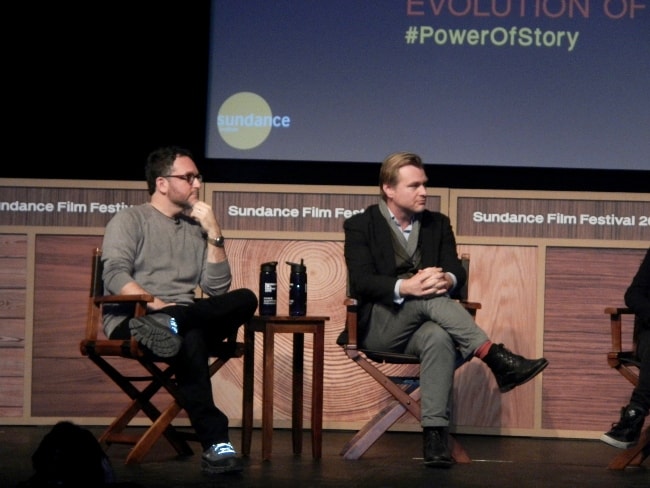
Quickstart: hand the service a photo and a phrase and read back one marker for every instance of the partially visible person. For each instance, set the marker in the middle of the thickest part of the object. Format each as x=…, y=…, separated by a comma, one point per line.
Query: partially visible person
x=168, y=248
x=70, y=456
x=403, y=265
x=625, y=433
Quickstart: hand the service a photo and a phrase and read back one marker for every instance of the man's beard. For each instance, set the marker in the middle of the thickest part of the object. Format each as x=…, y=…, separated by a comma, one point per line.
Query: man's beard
x=186, y=203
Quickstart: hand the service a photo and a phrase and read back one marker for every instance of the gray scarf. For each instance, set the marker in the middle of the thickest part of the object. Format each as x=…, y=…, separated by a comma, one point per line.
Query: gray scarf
x=405, y=251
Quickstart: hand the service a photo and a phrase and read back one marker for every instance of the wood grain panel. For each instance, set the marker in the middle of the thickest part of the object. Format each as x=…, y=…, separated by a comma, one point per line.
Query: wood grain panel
x=13, y=272
x=326, y=282
x=61, y=293
x=13, y=246
x=12, y=303
x=12, y=361
x=13, y=290
x=75, y=387
x=12, y=365
x=503, y=279
x=580, y=390
x=62, y=374
x=293, y=212
x=561, y=317
x=62, y=281
x=558, y=218
x=12, y=333
x=11, y=400
x=66, y=206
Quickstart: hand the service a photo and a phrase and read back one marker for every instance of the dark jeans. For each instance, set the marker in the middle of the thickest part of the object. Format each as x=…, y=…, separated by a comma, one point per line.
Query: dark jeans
x=206, y=322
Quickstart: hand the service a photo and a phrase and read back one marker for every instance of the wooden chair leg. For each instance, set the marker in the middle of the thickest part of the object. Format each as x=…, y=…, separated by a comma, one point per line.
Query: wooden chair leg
x=634, y=455
x=162, y=426
x=373, y=430
x=458, y=452
x=381, y=422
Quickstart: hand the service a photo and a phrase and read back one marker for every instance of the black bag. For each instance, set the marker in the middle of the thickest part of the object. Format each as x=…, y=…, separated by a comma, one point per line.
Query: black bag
x=70, y=456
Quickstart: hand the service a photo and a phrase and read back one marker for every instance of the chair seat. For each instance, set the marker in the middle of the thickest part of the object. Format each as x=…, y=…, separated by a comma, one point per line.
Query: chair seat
x=390, y=357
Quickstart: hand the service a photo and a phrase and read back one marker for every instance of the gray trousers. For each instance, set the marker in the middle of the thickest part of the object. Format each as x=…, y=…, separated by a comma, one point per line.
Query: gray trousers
x=441, y=333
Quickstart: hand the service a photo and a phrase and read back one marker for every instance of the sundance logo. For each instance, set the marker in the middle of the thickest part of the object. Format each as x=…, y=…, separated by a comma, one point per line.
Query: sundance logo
x=245, y=120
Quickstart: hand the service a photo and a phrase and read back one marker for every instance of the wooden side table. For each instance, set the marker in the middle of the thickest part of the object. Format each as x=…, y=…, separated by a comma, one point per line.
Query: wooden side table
x=298, y=326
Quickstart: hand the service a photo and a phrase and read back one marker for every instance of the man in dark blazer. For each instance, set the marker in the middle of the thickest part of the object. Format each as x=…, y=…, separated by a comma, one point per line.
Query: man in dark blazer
x=403, y=268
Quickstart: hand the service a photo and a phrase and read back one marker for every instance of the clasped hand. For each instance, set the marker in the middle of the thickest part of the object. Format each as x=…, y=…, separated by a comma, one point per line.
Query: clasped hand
x=427, y=281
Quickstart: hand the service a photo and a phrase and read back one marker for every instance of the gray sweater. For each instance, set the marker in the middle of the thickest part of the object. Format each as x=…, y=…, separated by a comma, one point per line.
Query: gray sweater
x=165, y=256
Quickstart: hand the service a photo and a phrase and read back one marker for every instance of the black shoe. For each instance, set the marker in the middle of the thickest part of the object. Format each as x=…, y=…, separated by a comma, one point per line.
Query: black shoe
x=510, y=369
x=156, y=332
x=221, y=459
x=626, y=432
x=436, y=448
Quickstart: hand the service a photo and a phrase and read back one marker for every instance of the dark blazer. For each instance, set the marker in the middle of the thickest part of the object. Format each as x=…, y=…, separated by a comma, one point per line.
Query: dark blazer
x=370, y=258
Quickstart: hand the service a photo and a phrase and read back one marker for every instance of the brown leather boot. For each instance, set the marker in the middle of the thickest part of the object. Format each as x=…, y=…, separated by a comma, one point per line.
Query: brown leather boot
x=510, y=369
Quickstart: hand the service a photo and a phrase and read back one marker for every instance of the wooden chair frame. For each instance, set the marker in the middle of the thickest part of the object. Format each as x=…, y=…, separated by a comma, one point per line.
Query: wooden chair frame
x=405, y=390
x=157, y=375
x=627, y=364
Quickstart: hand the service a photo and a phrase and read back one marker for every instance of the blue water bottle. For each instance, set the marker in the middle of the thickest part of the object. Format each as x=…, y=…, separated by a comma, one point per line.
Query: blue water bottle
x=298, y=289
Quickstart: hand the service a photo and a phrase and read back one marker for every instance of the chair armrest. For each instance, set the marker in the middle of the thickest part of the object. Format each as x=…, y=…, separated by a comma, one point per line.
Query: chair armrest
x=624, y=361
x=94, y=316
x=616, y=325
x=145, y=297
x=351, y=322
x=471, y=307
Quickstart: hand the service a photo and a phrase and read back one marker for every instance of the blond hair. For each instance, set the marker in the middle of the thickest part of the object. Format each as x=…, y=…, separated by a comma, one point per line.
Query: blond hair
x=389, y=172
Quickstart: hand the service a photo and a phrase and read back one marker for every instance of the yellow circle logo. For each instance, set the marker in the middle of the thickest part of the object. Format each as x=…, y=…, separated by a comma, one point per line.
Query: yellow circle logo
x=245, y=120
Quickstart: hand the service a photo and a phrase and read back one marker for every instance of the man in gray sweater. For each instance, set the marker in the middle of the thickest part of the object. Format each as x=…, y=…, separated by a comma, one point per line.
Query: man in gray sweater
x=168, y=248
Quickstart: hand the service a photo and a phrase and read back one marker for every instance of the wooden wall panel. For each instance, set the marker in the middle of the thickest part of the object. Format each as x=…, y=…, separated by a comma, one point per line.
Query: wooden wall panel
x=581, y=392
x=543, y=290
x=13, y=290
x=68, y=204
x=65, y=383
x=503, y=280
x=553, y=216
x=326, y=284
x=62, y=280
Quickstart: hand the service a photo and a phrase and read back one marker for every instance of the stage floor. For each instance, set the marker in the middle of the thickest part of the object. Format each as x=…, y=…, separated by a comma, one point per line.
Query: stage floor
x=394, y=461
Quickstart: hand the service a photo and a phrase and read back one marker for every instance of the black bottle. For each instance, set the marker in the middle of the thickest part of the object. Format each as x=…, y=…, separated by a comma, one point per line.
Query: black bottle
x=268, y=289
x=298, y=289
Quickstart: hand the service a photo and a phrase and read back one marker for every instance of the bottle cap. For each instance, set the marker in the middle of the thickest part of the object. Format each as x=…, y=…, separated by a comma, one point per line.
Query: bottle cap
x=298, y=267
x=270, y=266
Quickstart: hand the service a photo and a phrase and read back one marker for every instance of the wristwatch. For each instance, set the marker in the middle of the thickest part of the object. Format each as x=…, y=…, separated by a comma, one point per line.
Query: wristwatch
x=219, y=241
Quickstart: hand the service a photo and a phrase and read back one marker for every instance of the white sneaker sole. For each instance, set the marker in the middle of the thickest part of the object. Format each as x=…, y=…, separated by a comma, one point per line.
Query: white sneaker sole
x=615, y=443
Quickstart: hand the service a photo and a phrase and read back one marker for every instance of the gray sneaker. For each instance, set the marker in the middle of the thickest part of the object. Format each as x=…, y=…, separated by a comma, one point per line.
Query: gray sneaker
x=157, y=332
x=221, y=458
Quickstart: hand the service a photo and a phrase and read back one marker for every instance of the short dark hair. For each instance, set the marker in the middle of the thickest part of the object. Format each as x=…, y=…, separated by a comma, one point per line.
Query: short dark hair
x=160, y=162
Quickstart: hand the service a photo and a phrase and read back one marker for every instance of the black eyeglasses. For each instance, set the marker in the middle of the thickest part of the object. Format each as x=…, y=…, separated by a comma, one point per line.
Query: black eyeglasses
x=189, y=177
